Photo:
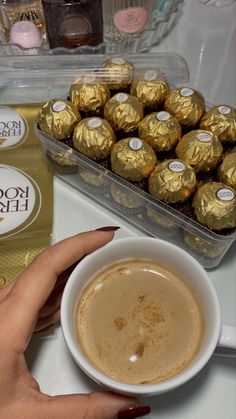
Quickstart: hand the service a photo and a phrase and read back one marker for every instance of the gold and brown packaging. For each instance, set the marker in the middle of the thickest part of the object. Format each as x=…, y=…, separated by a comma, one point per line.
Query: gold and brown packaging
x=58, y=118
x=172, y=181
x=215, y=206
x=187, y=105
x=89, y=95
x=125, y=198
x=132, y=159
x=123, y=112
x=62, y=161
x=94, y=137
x=227, y=170
x=150, y=88
x=201, y=149
x=221, y=121
x=118, y=72
x=26, y=192
x=201, y=246
x=160, y=130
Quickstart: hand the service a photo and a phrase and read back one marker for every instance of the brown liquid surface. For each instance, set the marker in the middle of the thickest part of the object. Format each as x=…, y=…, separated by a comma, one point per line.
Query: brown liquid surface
x=138, y=322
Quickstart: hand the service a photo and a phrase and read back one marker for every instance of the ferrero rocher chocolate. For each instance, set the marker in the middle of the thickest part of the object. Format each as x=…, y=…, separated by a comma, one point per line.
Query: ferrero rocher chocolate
x=162, y=220
x=118, y=72
x=187, y=105
x=132, y=159
x=160, y=130
x=215, y=206
x=92, y=178
x=125, y=198
x=150, y=88
x=172, y=181
x=89, y=95
x=63, y=159
x=199, y=245
x=201, y=149
x=227, y=170
x=221, y=121
x=124, y=112
x=58, y=118
x=94, y=137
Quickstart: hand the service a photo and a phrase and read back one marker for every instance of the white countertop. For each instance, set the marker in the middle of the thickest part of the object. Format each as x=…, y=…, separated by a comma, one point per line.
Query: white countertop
x=205, y=37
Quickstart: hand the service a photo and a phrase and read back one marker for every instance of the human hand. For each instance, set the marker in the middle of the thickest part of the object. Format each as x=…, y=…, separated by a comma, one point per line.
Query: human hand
x=32, y=303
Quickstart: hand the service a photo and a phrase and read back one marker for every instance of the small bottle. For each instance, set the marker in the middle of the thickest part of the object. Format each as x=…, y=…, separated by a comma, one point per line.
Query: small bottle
x=124, y=21
x=13, y=11
x=73, y=22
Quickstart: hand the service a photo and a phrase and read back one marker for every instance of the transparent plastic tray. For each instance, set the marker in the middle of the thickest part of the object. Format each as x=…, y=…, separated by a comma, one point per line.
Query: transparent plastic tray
x=40, y=80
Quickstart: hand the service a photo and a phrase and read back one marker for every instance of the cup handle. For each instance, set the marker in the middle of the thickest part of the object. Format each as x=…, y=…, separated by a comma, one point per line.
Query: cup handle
x=227, y=337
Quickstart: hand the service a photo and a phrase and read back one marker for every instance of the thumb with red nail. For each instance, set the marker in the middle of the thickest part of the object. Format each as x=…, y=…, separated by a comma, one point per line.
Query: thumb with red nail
x=33, y=303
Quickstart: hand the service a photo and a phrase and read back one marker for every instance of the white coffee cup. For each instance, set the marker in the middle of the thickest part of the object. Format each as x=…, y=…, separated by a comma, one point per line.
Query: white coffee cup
x=215, y=334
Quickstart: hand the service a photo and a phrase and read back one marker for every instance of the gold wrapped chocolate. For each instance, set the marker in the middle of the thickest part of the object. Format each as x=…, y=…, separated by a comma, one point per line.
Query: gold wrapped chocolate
x=172, y=181
x=160, y=130
x=89, y=95
x=227, y=170
x=201, y=149
x=199, y=245
x=125, y=198
x=118, y=72
x=215, y=206
x=92, y=178
x=62, y=161
x=94, y=137
x=58, y=118
x=124, y=112
x=150, y=88
x=162, y=220
x=132, y=159
x=187, y=105
x=221, y=121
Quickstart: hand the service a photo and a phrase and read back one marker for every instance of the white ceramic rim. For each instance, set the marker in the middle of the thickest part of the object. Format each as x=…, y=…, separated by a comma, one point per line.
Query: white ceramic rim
x=144, y=389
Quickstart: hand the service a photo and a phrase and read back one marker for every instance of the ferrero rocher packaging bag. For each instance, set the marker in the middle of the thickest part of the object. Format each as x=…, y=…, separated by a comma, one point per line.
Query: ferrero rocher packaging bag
x=26, y=192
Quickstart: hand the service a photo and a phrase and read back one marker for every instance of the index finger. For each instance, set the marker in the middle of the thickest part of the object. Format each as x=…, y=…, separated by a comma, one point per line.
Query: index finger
x=34, y=286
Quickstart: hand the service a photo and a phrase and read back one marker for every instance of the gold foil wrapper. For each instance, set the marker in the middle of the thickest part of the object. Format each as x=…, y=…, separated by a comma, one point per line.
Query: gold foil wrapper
x=89, y=95
x=162, y=221
x=201, y=149
x=201, y=246
x=63, y=159
x=172, y=181
x=94, y=137
x=186, y=104
x=150, y=89
x=58, y=118
x=215, y=206
x=221, y=121
x=125, y=198
x=123, y=112
x=132, y=159
x=118, y=72
x=160, y=130
x=227, y=170
x=92, y=178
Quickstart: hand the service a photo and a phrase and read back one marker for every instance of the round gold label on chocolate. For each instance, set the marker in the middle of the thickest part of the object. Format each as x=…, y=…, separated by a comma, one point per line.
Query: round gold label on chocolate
x=224, y=109
x=118, y=61
x=204, y=137
x=135, y=144
x=94, y=123
x=121, y=97
x=177, y=166
x=58, y=106
x=186, y=91
x=89, y=79
x=225, y=194
x=163, y=116
x=150, y=75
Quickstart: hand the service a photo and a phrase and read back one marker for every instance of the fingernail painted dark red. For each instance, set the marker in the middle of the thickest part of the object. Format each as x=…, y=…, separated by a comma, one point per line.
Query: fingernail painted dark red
x=133, y=412
x=108, y=228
